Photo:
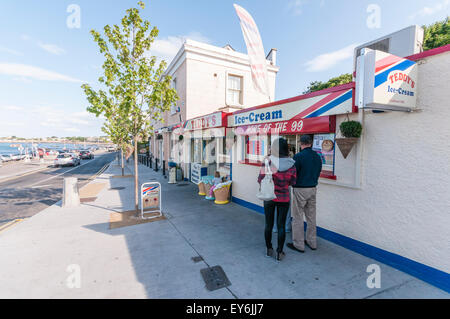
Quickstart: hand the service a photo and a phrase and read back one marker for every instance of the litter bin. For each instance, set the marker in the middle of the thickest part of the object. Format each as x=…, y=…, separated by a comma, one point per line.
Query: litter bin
x=172, y=172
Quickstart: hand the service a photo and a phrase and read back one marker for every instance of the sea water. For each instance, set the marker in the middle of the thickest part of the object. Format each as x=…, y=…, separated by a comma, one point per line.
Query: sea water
x=6, y=148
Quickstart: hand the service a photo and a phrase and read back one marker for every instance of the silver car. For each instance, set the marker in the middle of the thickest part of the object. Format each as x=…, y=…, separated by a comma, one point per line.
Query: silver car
x=67, y=159
x=6, y=158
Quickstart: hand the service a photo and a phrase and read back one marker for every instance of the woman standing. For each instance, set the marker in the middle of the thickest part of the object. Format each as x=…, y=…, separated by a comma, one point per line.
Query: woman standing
x=284, y=174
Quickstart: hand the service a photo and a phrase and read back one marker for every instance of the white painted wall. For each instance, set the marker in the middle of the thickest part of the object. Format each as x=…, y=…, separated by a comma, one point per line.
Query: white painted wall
x=403, y=205
x=207, y=86
x=403, y=202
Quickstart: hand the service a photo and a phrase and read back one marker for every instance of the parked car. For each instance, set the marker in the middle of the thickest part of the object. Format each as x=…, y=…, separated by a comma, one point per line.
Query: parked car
x=5, y=158
x=66, y=159
x=86, y=155
x=16, y=157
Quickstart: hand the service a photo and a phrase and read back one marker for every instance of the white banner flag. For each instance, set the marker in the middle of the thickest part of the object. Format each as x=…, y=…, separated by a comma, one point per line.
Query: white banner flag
x=255, y=50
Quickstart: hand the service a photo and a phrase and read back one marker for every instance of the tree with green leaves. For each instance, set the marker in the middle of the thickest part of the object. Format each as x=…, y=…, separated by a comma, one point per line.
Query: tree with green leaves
x=136, y=89
x=115, y=127
x=319, y=85
x=436, y=34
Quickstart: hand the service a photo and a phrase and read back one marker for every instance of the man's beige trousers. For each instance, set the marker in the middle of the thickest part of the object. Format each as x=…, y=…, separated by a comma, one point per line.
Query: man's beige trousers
x=304, y=204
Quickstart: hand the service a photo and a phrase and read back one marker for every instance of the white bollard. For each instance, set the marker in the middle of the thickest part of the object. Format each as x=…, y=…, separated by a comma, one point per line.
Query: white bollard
x=71, y=198
x=172, y=175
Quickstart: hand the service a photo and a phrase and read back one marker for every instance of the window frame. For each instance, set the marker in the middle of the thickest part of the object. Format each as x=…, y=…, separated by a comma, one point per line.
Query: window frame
x=174, y=108
x=241, y=90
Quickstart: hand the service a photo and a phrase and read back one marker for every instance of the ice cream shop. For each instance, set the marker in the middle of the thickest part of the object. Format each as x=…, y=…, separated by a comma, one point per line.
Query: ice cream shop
x=387, y=190
x=205, y=146
x=257, y=127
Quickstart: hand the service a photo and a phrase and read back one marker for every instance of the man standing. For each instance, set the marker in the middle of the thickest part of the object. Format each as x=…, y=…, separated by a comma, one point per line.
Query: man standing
x=309, y=166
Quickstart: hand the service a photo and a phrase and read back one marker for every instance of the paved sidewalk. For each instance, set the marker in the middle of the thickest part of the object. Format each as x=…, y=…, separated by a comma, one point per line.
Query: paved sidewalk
x=153, y=260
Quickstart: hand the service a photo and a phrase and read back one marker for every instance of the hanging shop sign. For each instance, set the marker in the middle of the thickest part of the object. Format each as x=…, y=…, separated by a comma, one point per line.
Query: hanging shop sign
x=338, y=101
x=207, y=121
x=308, y=125
x=385, y=81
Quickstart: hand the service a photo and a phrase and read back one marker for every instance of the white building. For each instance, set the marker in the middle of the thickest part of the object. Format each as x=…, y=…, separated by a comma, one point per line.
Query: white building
x=208, y=79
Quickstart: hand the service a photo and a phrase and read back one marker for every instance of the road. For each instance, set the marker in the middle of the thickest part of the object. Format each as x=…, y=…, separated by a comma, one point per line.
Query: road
x=26, y=196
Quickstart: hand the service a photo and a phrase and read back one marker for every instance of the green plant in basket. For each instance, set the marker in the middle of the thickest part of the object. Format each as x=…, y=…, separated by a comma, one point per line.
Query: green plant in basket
x=351, y=129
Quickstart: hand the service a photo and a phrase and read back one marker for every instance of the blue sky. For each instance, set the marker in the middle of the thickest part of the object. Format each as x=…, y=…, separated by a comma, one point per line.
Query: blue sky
x=43, y=62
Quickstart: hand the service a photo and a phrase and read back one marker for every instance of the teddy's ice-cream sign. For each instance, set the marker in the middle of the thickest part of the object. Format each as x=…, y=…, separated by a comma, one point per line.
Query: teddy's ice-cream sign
x=385, y=81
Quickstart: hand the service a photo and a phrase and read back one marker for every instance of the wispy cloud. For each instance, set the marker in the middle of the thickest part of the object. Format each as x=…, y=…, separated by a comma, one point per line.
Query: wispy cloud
x=22, y=79
x=72, y=130
x=12, y=124
x=52, y=119
x=29, y=71
x=426, y=11
x=11, y=51
x=328, y=60
x=296, y=6
x=48, y=47
x=51, y=48
x=11, y=108
x=167, y=48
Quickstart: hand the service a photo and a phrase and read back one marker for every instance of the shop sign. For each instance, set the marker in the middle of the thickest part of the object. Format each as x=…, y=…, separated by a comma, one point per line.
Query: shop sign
x=196, y=170
x=151, y=199
x=389, y=82
x=295, y=109
x=296, y=126
x=208, y=121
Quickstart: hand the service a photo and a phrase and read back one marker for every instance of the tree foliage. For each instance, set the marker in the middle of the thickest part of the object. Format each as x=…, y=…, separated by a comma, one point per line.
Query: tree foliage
x=134, y=91
x=319, y=85
x=436, y=34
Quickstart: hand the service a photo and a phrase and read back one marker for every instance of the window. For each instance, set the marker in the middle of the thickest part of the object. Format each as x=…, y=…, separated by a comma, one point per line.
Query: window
x=173, y=108
x=257, y=147
x=234, y=90
x=324, y=145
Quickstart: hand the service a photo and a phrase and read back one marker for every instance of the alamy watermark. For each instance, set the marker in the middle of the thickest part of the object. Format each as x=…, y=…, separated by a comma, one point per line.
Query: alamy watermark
x=74, y=279
x=374, y=279
x=374, y=19
x=74, y=19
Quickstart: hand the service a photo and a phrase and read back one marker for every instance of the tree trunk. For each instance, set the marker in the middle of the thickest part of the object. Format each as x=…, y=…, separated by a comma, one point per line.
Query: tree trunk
x=122, y=162
x=136, y=178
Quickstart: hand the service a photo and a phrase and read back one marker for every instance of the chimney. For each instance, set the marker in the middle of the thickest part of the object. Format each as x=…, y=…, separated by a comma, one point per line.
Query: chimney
x=272, y=56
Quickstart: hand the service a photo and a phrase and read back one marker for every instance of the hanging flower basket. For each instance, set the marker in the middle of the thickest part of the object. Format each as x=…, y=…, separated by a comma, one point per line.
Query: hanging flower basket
x=351, y=130
x=346, y=144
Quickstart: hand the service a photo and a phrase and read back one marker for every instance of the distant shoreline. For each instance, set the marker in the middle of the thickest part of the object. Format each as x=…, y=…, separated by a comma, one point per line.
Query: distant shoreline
x=52, y=142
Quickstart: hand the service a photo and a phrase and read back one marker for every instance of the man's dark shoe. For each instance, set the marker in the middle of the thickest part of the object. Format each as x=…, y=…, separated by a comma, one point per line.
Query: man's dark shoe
x=280, y=256
x=269, y=252
x=309, y=246
x=291, y=246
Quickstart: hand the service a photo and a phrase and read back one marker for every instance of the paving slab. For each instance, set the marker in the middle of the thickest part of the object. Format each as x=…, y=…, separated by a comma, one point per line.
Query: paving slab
x=42, y=255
